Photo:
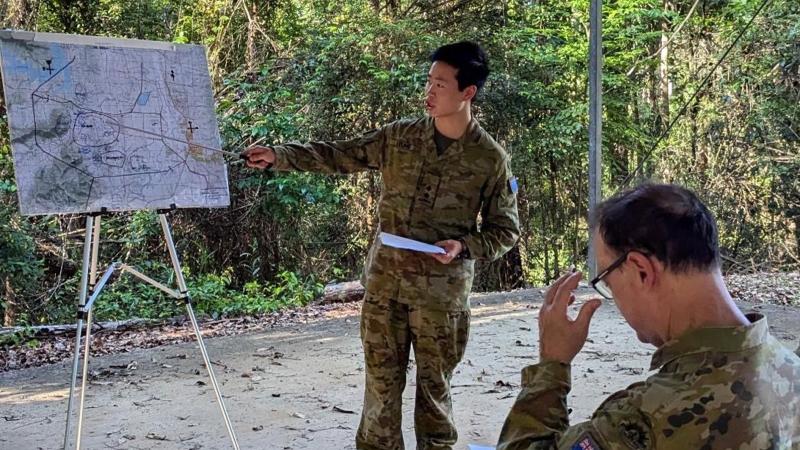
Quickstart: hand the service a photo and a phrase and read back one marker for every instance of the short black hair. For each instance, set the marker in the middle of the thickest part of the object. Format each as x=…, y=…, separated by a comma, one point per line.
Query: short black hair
x=469, y=59
x=665, y=220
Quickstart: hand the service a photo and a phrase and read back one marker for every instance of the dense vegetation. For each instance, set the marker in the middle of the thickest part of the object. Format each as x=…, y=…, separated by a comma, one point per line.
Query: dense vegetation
x=297, y=70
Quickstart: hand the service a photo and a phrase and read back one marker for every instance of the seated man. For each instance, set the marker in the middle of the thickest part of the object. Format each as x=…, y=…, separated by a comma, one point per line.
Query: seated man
x=723, y=381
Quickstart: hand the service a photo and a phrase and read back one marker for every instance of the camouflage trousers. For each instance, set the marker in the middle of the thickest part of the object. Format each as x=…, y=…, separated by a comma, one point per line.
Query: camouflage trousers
x=388, y=331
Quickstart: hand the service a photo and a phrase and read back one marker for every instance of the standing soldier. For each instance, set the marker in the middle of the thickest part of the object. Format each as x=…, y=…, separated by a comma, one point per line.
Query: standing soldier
x=723, y=381
x=438, y=174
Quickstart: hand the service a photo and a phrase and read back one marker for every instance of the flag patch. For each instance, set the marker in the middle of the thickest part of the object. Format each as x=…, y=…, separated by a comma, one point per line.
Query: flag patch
x=512, y=184
x=585, y=442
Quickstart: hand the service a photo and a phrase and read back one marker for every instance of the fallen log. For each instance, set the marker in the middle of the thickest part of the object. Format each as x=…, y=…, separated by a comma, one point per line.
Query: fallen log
x=350, y=291
x=69, y=329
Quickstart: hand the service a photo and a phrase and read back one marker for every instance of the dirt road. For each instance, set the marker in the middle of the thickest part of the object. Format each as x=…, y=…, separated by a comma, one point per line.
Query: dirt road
x=300, y=386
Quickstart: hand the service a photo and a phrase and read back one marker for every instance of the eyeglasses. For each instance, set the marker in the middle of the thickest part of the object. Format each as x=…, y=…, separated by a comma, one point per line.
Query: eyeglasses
x=599, y=283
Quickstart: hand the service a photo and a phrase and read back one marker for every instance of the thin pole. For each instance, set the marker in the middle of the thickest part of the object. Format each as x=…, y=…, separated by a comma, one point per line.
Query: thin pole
x=595, y=118
x=87, y=249
x=87, y=342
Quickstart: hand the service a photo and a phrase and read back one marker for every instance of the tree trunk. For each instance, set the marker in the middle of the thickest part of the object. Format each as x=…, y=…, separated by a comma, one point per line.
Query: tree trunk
x=510, y=272
x=525, y=219
x=252, y=28
x=10, y=306
x=372, y=194
x=652, y=98
x=555, y=209
x=18, y=14
x=694, y=111
x=547, y=275
x=663, y=68
x=797, y=234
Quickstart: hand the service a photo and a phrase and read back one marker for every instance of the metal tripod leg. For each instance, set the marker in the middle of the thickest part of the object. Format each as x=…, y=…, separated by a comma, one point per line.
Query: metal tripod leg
x=92, y=284
x=176, y=265
x=87, y=248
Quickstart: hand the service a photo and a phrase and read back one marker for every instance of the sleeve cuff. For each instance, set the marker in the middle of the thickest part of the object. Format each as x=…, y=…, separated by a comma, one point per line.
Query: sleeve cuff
x=281, y=160
x=465, y=254
x=472, y=246
x=548, y=374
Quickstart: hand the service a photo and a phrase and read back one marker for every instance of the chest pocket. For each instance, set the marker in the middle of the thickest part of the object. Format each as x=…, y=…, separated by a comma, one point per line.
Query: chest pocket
x=461, y=191
x=401, y=174
x=427, y=190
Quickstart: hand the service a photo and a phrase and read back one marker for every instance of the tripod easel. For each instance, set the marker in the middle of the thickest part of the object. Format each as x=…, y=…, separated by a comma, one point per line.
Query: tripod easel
x=91, y=288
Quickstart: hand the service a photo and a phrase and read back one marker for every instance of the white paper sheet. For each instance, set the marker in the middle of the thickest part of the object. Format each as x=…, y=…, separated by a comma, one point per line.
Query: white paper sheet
x=393, y=240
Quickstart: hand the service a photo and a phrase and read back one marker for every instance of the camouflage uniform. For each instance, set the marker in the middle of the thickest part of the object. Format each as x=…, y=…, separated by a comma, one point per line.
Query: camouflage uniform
x=718, y=388
x=411, y=299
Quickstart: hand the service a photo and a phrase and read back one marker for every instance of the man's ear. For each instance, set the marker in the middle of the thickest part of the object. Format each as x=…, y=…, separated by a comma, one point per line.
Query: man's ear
x=648, y=268
x=469, y=92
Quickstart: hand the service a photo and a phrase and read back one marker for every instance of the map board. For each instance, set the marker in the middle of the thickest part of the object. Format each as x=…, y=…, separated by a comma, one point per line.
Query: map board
x=115, y=124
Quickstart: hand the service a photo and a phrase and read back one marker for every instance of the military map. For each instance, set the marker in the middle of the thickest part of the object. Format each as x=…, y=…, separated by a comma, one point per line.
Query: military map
x=102, y=123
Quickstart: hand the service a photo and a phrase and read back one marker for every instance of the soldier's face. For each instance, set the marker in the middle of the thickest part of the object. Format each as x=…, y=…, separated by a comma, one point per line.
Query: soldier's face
x=442, y=97
x=636, y=300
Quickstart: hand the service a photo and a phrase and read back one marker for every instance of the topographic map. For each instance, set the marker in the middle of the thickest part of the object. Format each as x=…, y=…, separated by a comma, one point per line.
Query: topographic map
x=114, y=124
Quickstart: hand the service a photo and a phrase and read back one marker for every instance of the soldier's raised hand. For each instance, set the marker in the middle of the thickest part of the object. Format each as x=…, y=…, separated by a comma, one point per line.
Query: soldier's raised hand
x=561, y=338
x=259, y=157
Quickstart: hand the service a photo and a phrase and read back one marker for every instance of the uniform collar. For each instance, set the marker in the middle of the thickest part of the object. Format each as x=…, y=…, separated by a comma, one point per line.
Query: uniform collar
x=722, y=339
x=472, y=135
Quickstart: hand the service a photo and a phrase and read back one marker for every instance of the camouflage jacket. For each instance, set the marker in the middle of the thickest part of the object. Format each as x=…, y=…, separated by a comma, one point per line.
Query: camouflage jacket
x=718, y=388
x=427, y=197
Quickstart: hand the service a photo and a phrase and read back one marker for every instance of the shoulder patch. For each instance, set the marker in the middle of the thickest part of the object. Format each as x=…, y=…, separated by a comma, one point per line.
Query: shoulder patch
x=512, y=184
x=585, y=442
x=634, y=435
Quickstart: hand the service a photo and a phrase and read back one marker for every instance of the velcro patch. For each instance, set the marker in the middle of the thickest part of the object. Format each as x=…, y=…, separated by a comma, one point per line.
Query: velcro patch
x=512, y=184
x=585, y=442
